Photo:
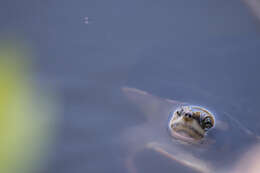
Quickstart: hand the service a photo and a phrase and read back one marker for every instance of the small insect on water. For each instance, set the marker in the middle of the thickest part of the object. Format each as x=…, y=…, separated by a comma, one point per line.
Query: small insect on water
x=86, y=20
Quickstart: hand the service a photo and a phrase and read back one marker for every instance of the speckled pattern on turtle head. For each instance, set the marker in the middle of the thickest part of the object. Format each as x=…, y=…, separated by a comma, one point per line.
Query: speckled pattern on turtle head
x=217, y=151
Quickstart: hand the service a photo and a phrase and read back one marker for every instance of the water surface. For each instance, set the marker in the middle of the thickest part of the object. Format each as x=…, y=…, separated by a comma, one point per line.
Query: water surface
x=203, y=52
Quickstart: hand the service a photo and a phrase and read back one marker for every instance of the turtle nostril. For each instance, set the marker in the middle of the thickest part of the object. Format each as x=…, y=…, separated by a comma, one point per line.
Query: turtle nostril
x=188, y=115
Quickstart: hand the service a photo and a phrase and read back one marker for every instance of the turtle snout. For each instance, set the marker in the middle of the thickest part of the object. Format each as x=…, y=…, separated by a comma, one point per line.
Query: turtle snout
x=187, y=116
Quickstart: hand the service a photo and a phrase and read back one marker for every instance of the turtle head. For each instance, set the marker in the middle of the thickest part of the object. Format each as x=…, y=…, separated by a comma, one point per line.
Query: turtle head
x=190, y=122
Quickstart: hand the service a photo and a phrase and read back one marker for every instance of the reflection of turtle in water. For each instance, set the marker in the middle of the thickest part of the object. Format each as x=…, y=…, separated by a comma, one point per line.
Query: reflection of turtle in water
x=189, y=135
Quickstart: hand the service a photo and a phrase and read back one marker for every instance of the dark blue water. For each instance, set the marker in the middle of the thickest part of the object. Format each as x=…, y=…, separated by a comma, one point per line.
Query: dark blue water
x=203, y=52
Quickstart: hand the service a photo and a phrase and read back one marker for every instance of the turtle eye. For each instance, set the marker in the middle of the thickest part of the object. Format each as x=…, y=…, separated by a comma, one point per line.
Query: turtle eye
x=207, y=123
x=178, y=113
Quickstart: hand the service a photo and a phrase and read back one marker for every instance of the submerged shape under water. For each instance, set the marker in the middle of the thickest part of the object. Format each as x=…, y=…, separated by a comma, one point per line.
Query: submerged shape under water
x=215, y=151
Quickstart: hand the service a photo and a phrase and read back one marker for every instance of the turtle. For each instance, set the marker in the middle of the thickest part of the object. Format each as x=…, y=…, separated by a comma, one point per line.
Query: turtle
x=190, y=135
